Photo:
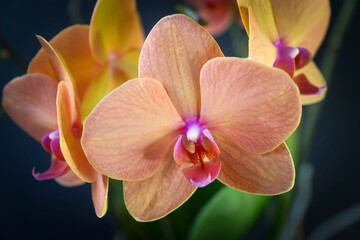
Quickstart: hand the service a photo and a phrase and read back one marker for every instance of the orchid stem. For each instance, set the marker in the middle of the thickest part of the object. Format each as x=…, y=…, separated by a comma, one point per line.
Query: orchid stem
x=8, y=52
x=74, y=11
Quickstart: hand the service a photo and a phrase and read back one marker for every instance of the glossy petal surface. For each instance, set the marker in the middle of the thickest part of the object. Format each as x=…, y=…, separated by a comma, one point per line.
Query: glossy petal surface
x=115, y=28
x=270, y=173
x=302, y=23
x=157, y=196
x=73, y=45
x=256, y=106
x=129, y=133
x=30, y=101
x=315, y=77
x=70, y=137
x=99, y=192
x=174, y=53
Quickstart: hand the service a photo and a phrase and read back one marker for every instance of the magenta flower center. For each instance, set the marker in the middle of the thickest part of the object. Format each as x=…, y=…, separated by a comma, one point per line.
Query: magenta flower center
x=51, y=144
x=196, y=146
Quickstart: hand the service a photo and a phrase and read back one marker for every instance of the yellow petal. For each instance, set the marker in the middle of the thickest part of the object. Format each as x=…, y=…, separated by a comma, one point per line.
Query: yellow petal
x=302, y=23
x=70, y=135
x=314, y=75
x=73, y=45
x=115, y=28
x=174, y=53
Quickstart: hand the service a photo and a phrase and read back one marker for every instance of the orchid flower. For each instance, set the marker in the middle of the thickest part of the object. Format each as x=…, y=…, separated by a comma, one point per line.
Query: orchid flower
x=64, y=82
x=193, y=116
x=286, y=35
x=218, y=14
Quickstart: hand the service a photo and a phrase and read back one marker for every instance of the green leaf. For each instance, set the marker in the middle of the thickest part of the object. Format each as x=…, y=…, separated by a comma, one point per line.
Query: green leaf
x=228, y=215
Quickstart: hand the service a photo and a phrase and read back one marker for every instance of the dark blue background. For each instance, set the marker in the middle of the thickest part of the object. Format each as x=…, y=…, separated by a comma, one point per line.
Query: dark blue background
x=44, y=210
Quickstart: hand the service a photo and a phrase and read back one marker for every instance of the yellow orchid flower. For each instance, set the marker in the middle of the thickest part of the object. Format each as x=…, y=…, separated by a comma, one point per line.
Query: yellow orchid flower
x=287, y=34
x=66, y=79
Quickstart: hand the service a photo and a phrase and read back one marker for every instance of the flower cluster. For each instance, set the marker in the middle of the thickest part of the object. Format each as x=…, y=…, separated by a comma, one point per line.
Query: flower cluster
x=172, y=113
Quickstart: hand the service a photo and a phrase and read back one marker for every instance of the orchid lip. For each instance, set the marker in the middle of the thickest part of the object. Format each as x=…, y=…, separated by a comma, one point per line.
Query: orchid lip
x=51, y=144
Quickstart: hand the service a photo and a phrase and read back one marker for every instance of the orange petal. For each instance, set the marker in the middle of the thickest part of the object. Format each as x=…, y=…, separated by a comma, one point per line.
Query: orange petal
x=267, y=174
x=261, y=47
x=160, y=194
x=302, y=23
x=70, y=137
x=73, y=45
x=62, y=74
x=262, y=10
x=30, y=101
x=256, y=106
x=115, y=28
x=99, y=192
x=69, y=179
x=174, y=53
x=314, y=75
x=128, y=134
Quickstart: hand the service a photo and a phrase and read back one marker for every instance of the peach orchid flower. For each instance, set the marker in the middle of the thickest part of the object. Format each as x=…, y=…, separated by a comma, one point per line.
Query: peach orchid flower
x=193, y=116
x=287, y=34
x=218, y=14
x=64, y=82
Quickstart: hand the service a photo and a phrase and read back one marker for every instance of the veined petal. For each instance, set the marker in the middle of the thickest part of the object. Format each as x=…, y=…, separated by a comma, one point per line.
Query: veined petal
x=69, y=179
x=315, y=77
x=256, y=106
x=263, y=12
x=57, y=169
x=261, y=47
x=73, y=45
x=302, y=23
x=129, y=132
x=174, y=53
x=62, y=74
x=30, y=101
x=99, y=192
x=115, y=28
x=157, y=196
x=70, y=137
x=267, y=174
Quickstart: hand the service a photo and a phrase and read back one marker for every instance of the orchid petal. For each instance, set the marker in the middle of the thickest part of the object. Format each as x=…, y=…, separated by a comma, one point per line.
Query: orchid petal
x=174, y=53
x=261, y=47
x=123, y=33
x=302, y=23
x=62, y=74
x=203, y=174
x=73, y=45
x=70, y=137
x=315, y=78
x=256, y=106
x=57, y=169
x=30, y=101
x=129, y=132
x=157, y=196
x=267, y=174
x=99, y=192
x=69, y=179
x=262, y=11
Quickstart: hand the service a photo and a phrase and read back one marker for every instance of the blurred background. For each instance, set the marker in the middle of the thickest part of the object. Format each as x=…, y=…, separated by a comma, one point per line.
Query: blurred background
x=44, y=210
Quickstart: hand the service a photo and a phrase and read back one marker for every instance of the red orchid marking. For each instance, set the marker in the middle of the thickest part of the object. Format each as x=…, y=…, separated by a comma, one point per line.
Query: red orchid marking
x=291, y=59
